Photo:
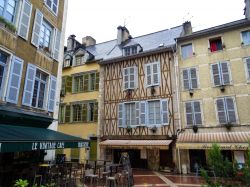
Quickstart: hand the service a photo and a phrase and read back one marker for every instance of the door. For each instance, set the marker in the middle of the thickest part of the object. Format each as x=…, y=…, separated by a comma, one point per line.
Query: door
x=197, y=157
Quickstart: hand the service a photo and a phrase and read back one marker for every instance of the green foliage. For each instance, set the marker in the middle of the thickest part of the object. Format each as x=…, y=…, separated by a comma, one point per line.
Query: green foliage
x=246, y=169
x=8, y=25
x=21, y=183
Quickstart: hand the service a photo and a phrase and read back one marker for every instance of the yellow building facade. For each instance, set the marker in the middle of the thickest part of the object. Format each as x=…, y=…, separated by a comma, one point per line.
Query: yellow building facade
x=214, y=69
x=78, y=113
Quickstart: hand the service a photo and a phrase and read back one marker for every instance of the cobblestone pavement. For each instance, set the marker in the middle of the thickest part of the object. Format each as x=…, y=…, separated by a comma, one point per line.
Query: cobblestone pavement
x=145, y=178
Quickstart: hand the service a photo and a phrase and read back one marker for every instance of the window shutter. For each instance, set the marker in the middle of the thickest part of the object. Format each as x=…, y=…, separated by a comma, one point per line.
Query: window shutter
x=125, y=78
x=95, y=112
x=164, y=106
x=216, y=74
x=225, y=73
x=23, y=29
x=137, y=113
x=29, y=85
x=136, y=76
x=189, y=113
x=230, y=109
x=52, y=94
x=84, y=112
x=57, y=39
x=156, y=73
x=86, y=83
x=69, y=84
x=121, y=114
x=148, y=75
x=67, y=114
x=248, y=68
x=63, y=87
x=185, y=79
x=36, y=28
x=193, y=78
x=131, y=77
x=221, y=111
x=197, y=113
x=97, y=80
x=14, y=80
x=143, y=112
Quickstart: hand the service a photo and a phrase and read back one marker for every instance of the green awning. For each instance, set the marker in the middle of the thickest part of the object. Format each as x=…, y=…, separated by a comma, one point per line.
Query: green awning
x=18, y=138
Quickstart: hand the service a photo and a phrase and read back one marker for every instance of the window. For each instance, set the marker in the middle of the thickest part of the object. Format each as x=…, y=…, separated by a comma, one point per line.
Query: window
x=77, y=112
x=78, y=84
x=247, y=66
x=45, y=35
x=62, y=114
x=92, y=81
x=66, y=63
x=245, y=37
x=215, y=44
x=193, y=113
x=226, y=110
x=7, y=9
x=39, y=89
x=129, y=78
x=186, y=51
x=3, y=63
x=90, y=112
x=131, y=50
x=154, y=112
x=79, y=60
x=53, y=5
x=190, y=80
x=152, y=74
x=221, y=73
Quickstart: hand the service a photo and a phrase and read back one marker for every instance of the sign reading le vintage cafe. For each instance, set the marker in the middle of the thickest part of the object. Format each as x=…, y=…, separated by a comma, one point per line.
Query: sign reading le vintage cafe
x=33, y=146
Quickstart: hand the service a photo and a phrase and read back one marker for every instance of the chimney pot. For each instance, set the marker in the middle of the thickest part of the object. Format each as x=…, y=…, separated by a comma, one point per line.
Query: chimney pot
x=88, y=41
x=122, y=34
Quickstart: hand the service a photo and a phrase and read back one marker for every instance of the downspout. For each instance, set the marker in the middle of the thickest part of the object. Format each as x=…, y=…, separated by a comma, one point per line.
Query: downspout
x=176, y=68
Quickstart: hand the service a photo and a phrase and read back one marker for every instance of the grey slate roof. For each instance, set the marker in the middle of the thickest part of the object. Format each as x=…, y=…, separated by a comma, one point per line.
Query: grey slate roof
x=110, y=49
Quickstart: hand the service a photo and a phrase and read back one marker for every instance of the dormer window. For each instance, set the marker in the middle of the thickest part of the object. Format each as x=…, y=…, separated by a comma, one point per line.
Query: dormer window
x=131, y=50
x=215, y=44
x=67, y=61
x=79, y=60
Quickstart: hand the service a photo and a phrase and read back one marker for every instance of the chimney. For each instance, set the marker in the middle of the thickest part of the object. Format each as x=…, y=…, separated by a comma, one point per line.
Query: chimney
x=247, y=9
x=122, y=35
x=88, y=40
x=187, y=28
x=71, y=42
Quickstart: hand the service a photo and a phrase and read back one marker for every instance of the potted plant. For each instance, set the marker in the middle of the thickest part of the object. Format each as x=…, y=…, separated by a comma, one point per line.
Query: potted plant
x=191, y=92
x=222, y=88
x=228, y=125
x=21, y=183
x=153, y=129
x=129, y=129
x=195, y=128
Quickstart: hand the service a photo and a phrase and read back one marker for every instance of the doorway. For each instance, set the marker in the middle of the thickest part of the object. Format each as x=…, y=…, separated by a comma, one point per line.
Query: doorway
x=166, y=159
x=199, y=157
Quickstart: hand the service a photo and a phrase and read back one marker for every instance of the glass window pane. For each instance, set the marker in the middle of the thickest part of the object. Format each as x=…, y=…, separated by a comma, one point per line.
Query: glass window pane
x=187, y=51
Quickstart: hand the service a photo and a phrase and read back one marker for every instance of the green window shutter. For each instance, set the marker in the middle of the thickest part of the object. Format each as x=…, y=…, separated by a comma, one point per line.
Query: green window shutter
x=67, y=114
x=63, y=88
x=84, y=112
x=97, y=81
x=69, y=84
x=95, y=112
x=75, y=154
x=93, y=150
x=62, y=114
x=86, y=83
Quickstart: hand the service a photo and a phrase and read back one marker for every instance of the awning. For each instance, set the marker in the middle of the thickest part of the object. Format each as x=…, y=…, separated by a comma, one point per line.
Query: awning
x=137, y=144
x=17, y=138
x=225, y=140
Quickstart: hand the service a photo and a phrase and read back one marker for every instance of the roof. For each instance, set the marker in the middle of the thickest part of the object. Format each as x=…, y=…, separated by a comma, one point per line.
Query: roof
x=22, y=138
x=216, y=30
x=110, y=49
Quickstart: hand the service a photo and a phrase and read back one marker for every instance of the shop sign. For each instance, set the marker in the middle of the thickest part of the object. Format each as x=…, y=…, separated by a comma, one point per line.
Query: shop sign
x=226, y=146
x=47, y=145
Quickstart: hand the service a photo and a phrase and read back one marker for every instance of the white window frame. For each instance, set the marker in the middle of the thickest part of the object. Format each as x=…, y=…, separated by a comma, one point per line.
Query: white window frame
x=16, y=8
x=187, y=44
x=226, y=111
x=213, y=38
x=129, y=80
x=51, y=8
x=189, y=78
x=247, y=72
x=193, y=113
x=47, y=26
x=242, y=37
x=152, y=75
x=220, y=73
x=131, y=125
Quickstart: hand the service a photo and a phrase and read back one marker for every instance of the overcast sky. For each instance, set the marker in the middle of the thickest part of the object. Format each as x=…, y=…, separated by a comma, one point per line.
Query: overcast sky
x=99, y=18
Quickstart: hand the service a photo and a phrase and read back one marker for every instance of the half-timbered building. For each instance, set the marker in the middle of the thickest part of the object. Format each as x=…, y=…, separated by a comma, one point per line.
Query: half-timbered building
x=137, y=110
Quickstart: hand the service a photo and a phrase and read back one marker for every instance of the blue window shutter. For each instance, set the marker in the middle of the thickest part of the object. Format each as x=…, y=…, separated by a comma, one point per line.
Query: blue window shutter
x=165, y=113
x=57, y=39
x=36, y=28
x=29, y=85
x=23, y=29
x=148, y=73
x=14, y=80
x=137, y=113
x=221, y=111
x=121, y=115
x=143, y=113
x=52, y=94
x=216, y=74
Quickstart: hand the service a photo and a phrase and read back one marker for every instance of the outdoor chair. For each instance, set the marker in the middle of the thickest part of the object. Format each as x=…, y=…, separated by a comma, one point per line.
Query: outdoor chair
x=89, y=175
x=112, y=180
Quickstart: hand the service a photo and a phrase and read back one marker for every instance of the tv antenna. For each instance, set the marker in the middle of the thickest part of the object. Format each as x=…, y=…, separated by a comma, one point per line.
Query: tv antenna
x=187, y=17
